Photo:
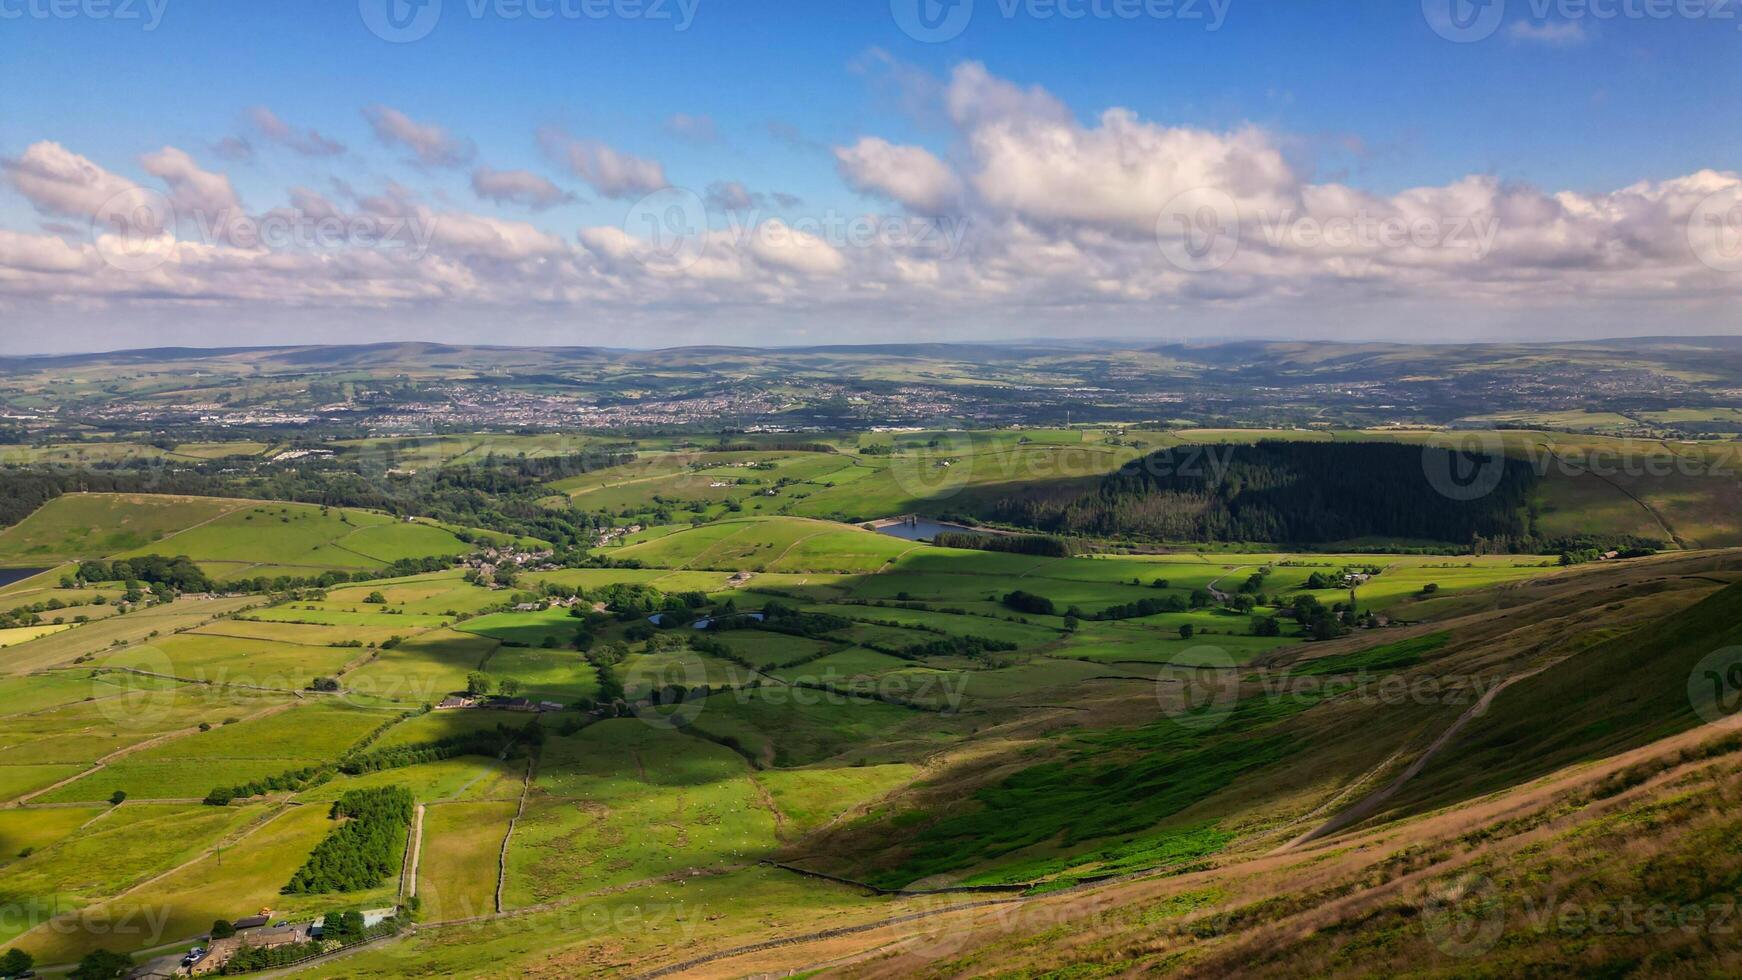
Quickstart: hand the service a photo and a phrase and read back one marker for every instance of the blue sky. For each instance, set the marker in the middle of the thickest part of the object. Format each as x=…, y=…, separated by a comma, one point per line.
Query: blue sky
x=1365, y=95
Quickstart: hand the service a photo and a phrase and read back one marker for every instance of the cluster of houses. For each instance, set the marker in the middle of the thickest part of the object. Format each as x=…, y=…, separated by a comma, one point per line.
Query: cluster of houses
x=488, y=559
x=553, y=602
x=498, y=702
x=607, y=535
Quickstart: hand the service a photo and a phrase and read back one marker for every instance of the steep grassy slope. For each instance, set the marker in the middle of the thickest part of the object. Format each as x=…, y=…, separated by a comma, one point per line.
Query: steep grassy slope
x=227, y=537
x=1639, y=687
x=97, y=525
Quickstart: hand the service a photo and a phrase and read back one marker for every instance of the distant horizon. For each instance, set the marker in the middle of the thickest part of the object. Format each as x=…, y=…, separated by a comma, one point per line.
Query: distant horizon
x=1099, y=342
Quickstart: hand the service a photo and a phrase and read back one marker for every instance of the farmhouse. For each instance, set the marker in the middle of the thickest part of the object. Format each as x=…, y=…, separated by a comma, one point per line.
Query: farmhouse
x=257, y=937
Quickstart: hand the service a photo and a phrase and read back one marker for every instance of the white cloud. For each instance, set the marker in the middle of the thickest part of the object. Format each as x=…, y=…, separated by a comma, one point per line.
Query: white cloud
x=778, y=244
x=612, y=173
x=522, y=187
x=1048, y=217
x=58, y=181
x=431, y=145
x=307, y=142
x=193, y=191
x=909, y=175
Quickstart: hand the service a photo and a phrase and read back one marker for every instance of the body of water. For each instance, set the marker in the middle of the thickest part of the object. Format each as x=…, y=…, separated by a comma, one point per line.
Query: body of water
x=924, y=530
x=10, y=575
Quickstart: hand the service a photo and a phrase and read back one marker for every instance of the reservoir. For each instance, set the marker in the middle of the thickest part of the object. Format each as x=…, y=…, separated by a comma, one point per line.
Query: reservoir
x=923, y=529
x=10, y=575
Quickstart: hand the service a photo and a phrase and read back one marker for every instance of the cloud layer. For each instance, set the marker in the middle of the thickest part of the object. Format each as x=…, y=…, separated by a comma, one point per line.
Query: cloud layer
x=1022, y=212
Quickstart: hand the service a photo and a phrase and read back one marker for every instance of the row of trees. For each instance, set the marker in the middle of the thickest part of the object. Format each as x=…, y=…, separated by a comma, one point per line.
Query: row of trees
x=362, y=851
x=1021, y=544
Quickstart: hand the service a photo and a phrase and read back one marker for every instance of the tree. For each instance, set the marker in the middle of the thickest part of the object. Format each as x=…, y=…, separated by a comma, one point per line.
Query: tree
x=16, y=963
x=222, y=929
x=508, y=686
x=376, y=599
x=478, y=682
x=1186, y=631
x=102, y=964
x=1028, y=602
x=1266, y=626
x=328, y=684
x=118, y=797
x=1202, y=598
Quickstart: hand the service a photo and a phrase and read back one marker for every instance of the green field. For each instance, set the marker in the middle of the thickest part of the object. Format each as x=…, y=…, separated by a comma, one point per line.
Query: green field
x=770, y=545
x=624, y=801
x=456, y=877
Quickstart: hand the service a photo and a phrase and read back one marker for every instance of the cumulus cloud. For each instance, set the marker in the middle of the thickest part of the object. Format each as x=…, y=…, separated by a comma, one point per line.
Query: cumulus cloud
x=192, y=189
x=522, y=187
x=610, y=172
x=779, y=245
x=307, y=142
x=430, y=145
x=57, y=181
x=909, y=175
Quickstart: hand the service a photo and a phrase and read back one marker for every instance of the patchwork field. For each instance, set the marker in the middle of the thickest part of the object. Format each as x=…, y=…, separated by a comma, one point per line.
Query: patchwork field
x=905, y=715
